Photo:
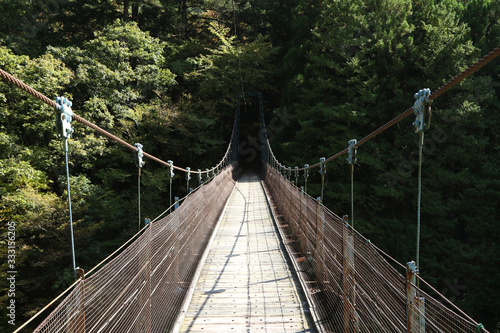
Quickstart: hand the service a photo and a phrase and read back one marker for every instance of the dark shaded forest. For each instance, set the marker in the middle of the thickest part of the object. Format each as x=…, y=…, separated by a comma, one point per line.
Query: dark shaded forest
x=167, y=73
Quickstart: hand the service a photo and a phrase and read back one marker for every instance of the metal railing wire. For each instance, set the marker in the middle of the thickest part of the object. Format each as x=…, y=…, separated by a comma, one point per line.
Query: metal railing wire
x=353, y=287
x=143, y=287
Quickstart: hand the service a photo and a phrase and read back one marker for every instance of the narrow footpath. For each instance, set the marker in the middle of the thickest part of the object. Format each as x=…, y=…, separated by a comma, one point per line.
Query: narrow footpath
x=246, y=284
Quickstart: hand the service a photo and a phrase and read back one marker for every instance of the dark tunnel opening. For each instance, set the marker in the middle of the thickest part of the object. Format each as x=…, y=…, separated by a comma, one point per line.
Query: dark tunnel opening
x=250, y=144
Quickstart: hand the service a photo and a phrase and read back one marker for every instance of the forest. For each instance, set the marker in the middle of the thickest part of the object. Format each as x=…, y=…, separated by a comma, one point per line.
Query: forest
x=167, y=74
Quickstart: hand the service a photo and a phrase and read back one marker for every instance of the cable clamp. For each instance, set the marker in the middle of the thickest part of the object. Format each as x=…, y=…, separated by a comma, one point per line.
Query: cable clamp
x=322, y=166
x=345, y=219
x=199, y=175
x=140, y=163
x=64, y=117
x=419, y=107
x=306, y=171
x=412, y=267
x=188, y=174
x=352, y=152
x=171, y=163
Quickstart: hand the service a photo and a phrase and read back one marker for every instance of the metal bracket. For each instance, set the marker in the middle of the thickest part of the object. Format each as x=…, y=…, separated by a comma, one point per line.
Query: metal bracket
x=140, y=155
x=188, y=174
x=419, y=107
x=64, y=117
x=296, y=176
x=199, y=176
x=352, y=152
x=171, y=169
x=306, y=171
x=345, y=219
x=322, y=166
x=412, y=267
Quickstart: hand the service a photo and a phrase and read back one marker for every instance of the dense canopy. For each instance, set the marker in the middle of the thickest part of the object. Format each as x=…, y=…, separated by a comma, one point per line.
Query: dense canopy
x=167, y=73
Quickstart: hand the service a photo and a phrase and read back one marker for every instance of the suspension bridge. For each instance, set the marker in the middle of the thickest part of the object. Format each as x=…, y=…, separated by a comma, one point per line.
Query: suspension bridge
x=251, y=253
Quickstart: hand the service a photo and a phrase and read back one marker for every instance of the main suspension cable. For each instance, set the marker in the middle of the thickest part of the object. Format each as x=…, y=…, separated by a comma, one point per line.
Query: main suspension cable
x=20, y=84
x=450, y=84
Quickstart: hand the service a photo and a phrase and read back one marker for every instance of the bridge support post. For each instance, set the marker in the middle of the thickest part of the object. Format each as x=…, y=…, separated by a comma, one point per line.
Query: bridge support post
x=77, y=323
x=415, y=306
x=351, y=323
x=320, y=249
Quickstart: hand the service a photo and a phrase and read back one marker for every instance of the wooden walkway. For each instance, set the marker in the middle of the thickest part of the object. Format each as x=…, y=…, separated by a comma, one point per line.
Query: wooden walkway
x=246, y=283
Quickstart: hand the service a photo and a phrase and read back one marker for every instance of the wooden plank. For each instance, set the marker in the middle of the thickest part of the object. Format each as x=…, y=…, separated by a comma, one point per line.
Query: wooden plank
x=246, y=284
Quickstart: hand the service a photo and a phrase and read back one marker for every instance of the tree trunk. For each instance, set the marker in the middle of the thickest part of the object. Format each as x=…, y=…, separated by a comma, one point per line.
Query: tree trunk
x=183, y=19
x=126, y=7
x=135, y=12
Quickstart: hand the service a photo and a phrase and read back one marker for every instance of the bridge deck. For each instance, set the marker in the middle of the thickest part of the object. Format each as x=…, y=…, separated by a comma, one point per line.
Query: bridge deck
x=246, y=283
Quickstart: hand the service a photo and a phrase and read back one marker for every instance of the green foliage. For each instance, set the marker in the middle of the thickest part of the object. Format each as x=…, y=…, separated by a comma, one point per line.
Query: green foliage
x=166, y=74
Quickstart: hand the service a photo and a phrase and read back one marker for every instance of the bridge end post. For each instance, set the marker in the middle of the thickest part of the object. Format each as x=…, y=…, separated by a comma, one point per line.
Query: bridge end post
x=415, y=306
x=351, y=319
x=320, y=249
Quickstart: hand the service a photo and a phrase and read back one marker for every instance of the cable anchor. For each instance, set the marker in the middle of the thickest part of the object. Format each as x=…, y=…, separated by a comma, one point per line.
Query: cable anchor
x=420, y=108
x=296, y=176
x=322, y=171
x=322, y=166
x=306, y=175
x=199, y=176
x=171, y=164
x=188, y=177
x=352, y=151
x=64, y=117
x=140, y=154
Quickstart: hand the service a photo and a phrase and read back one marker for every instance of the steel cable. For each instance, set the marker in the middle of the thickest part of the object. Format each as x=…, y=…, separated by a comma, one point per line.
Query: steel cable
x=23, y=86
x=450, y=84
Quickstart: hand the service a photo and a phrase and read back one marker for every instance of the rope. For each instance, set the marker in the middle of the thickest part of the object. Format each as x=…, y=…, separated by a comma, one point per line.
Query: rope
x=453, y=82
x=23, y=86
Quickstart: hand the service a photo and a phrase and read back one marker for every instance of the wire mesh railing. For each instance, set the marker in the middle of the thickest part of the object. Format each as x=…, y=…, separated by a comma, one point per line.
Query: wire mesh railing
x=353, y=287
x=142, y=289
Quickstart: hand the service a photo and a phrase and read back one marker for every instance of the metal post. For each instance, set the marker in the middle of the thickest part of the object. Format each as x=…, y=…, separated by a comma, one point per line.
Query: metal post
x=320, y=252
x=296, y=176
x=351, y=322
x=306, y=175
x=415, y=306
x=77, y=315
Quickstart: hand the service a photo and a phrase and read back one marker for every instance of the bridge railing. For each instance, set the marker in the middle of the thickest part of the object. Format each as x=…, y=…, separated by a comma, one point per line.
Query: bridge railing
x=142, y=288
x=351, y=284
